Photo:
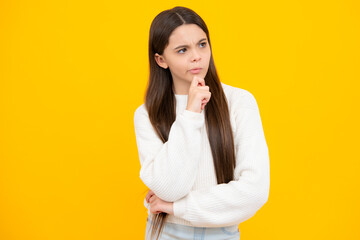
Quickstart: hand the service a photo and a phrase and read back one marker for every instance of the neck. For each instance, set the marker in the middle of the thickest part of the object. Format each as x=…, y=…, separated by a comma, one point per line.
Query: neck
x=181, y=87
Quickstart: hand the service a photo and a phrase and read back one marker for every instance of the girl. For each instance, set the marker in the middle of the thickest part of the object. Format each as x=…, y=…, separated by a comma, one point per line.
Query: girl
x=201, y=143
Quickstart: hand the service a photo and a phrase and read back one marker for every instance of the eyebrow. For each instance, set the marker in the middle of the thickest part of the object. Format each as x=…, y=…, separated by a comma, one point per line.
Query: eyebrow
x=187, y=45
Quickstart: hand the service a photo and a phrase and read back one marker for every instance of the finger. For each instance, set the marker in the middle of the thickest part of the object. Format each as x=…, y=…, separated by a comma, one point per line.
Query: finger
x=197, y=81
x=194, y=82
x=152, y=198
x=204, y=102
x=156, y=208
x=205, y=88
x=204, y=95
x=201, y=82
x=148, y=195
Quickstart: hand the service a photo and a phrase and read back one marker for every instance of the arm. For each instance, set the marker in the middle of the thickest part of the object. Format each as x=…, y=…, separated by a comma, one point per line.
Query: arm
x=238, y=200
x=169, y=169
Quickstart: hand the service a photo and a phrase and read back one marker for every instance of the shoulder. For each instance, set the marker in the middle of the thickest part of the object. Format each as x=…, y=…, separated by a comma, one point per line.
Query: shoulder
x=239, y=98
x=140, y=113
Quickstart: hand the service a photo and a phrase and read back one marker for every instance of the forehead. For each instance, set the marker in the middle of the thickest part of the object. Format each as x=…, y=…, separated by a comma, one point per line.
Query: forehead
x=186, y=33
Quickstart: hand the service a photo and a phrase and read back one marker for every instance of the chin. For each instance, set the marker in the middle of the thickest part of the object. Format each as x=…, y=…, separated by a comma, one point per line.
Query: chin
x=200, y=75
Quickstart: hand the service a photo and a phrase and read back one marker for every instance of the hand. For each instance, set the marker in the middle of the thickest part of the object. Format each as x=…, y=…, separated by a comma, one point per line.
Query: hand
x=157, y=205
x=199, y=95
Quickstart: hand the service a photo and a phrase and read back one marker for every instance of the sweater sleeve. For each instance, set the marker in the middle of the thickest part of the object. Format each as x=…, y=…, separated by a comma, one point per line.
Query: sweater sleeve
x=234, y=202
x=169, y=169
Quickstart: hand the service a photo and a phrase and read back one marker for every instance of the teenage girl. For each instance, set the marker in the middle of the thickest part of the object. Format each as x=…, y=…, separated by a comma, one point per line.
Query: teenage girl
x=201, y=143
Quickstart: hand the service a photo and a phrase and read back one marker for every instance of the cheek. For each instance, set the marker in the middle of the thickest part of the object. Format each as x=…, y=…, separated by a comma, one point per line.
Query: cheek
x=208, y=54
x=207, y=58
x=179, y=66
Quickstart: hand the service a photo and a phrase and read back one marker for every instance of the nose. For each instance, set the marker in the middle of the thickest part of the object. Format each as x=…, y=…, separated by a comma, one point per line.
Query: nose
x=196, y=56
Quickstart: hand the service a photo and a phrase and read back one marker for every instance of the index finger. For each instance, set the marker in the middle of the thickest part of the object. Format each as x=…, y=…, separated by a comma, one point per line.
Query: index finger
x=148, y=195
x=198, y=81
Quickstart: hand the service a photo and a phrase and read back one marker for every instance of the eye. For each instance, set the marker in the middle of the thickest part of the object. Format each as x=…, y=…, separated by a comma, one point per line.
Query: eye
x=181, y=49
x=203, y=43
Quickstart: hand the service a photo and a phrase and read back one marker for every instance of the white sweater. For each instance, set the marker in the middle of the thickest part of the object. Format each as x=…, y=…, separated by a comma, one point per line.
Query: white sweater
x=182, y=171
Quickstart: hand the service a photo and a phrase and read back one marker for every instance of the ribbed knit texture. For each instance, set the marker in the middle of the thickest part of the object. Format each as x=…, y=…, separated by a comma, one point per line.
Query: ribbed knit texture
x=181, y=170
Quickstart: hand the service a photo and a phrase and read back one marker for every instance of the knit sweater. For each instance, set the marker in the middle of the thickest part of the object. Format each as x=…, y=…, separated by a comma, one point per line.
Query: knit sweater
x=182, y=171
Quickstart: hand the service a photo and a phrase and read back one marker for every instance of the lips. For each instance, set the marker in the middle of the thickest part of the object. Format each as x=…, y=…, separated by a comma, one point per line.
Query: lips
x=195, y=70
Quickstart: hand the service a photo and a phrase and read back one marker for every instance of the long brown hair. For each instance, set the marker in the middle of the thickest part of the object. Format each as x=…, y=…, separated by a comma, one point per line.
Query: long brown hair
x=160, y=100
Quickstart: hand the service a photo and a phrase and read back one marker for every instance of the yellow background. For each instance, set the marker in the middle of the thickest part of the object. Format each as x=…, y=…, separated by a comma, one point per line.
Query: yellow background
x=72, y=74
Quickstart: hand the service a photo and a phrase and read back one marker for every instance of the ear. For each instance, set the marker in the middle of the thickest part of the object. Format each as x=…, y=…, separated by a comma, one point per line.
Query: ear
x=160, y=61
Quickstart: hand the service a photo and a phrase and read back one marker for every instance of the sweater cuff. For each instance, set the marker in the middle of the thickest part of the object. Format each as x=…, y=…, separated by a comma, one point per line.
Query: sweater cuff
x=179, y=207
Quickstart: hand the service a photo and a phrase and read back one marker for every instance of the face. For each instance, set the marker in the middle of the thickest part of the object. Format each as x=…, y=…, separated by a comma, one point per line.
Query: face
x=188, y=48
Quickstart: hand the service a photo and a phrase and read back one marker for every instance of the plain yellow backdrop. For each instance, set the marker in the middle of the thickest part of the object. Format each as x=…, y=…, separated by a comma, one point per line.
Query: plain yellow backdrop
x=72, y=74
